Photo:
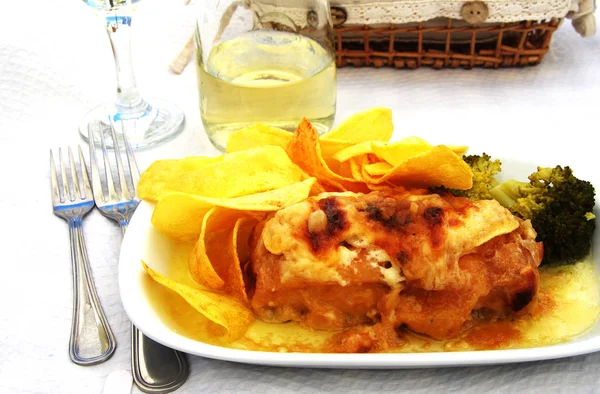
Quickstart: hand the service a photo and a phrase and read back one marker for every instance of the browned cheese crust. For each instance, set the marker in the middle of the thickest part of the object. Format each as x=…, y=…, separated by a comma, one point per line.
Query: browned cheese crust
x=400, y=260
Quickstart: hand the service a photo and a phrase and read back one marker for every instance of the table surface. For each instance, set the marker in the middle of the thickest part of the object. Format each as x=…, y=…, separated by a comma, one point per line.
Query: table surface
x=55, y=64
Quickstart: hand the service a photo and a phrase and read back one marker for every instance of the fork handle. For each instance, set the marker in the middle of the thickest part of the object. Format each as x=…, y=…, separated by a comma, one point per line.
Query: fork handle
x=92, y=340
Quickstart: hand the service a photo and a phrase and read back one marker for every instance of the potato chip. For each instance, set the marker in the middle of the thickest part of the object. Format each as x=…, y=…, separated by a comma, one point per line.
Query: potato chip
x=359, y=149
x=272, y=200
x=330, y=147
x=243, y=232
x=438, y=166
x=374, y=124
x=220, y=309
x=460, y=150
x=241, y=243
x=222, y=249
x=345, y=169
x=256, y=136
x=201, y=269
x=368, y=160
x=236, y=174
x=163, y=173
x=378, y=169
x=370, y=179
x=396, y=152
x=215, y=221
x=179, y=215
x=304, y=150
x=356, y=167
x=384, y=186
x=261, y=135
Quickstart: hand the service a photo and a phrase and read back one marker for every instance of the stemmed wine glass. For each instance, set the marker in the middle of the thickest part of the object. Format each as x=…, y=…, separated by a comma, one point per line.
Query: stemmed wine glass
x=147, y=122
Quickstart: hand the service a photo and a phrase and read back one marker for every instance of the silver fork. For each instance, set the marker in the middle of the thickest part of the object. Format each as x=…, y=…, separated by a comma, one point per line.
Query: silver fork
x=156, y=368
x=92, y=340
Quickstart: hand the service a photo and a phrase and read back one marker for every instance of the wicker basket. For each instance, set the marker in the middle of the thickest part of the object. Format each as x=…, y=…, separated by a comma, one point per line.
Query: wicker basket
x=437, y=33
x=450, y=33
x=514, y=44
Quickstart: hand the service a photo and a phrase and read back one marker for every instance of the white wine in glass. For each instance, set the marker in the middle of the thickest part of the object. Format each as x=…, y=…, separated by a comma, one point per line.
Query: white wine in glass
x=264, y=61
x=146, y=122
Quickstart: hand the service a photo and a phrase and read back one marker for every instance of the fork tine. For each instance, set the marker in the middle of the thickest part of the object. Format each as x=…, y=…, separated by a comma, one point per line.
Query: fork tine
x=65, y=182
x=112, y=195
x=86, y=190
x=124, y=187
x=54, y=181
x=133, y=167
x=96, y=182
x=77, y=190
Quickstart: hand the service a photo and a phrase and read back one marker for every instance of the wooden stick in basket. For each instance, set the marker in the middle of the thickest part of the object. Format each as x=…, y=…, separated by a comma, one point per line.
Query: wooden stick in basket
x=184, y=56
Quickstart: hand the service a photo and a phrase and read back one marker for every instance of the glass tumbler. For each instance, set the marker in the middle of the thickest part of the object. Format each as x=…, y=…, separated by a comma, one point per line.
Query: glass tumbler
x=264, y=61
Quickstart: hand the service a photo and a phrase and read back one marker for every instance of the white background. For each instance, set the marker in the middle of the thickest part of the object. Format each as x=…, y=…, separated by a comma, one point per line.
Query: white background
x=55, y=64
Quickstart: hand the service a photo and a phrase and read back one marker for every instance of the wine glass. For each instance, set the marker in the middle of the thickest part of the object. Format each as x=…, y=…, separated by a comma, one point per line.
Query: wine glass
x=264, y=61
x=146, y=122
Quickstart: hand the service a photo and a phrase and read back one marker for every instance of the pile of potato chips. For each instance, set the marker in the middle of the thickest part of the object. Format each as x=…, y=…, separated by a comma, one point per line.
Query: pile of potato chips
x=215, y=202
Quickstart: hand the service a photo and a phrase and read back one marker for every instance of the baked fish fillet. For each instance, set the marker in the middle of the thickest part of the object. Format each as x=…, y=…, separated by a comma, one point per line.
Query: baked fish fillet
x=407, y=259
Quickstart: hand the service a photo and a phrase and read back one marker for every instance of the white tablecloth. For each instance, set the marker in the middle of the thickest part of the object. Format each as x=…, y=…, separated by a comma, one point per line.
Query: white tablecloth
x=55, y=64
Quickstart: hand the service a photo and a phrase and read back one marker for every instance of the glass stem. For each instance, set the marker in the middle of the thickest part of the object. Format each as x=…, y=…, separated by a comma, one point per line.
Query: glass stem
x=129, y=100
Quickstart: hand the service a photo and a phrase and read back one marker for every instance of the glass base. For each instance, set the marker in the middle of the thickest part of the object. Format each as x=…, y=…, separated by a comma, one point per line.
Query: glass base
x=159, y=122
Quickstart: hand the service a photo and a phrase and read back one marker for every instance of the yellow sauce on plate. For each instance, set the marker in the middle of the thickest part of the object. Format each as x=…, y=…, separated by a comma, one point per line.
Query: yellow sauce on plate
x=569, y=302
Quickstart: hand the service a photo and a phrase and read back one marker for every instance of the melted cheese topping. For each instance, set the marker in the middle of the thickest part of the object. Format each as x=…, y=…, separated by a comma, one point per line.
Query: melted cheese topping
x=391, y=274
x=432, y=258
x=487, y=220
x=347, y=257
x=309, y=269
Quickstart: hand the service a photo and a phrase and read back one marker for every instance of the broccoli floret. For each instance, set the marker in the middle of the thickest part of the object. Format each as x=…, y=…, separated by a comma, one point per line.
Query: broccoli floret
x=559, y=206
x=484, y=170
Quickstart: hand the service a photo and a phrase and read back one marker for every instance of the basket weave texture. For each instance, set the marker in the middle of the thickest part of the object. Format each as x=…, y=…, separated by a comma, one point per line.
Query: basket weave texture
x=449, y=44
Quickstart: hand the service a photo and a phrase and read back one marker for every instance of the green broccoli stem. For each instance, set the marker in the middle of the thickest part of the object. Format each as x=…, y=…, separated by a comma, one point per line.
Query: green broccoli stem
x=507, y=192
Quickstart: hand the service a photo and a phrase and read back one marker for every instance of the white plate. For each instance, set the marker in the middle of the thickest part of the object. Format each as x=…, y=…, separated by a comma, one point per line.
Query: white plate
x=142, y=241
